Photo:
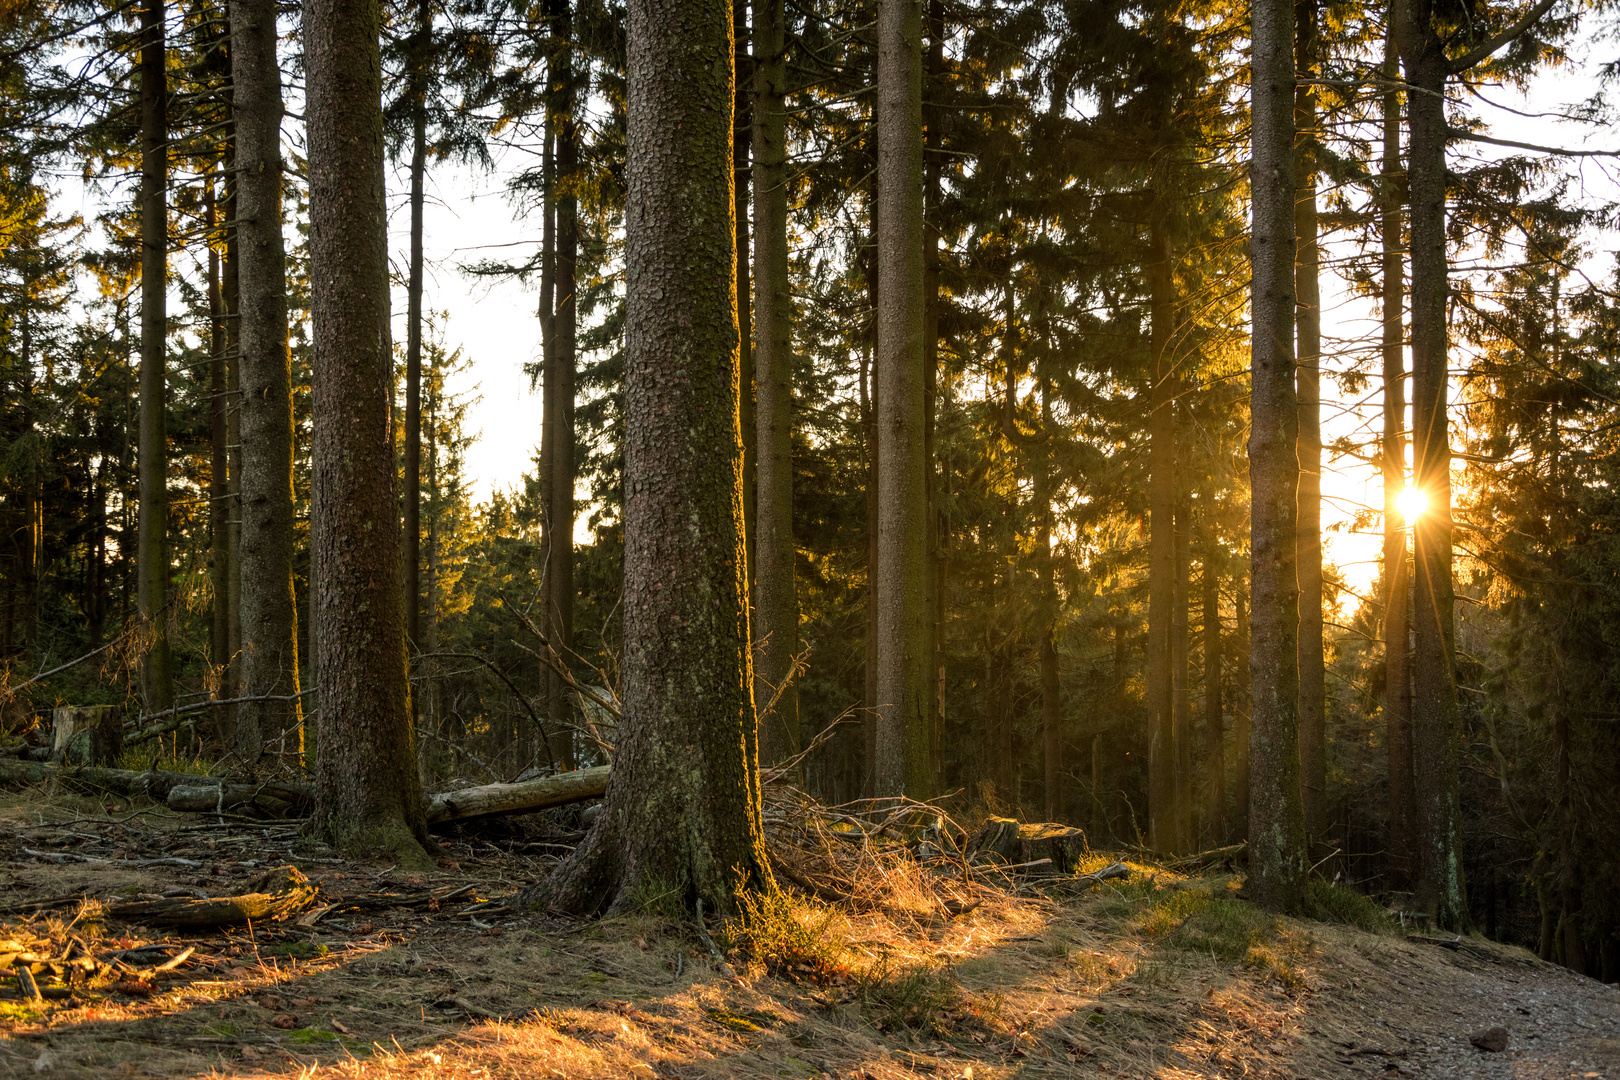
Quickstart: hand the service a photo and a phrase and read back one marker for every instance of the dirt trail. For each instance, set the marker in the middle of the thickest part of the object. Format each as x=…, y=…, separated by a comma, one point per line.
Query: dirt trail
x=1157, y=977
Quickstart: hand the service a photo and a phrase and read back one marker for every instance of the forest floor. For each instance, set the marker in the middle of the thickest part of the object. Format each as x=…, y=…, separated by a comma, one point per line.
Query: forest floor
x=397, y=976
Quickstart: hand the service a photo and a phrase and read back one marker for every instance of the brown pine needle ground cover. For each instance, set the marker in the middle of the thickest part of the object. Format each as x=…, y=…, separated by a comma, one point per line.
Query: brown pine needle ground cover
x=938, y=971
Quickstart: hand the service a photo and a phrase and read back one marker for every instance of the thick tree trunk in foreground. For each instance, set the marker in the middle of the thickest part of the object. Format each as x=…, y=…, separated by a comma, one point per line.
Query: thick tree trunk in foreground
x=903, y=765
x=1308, y=396
x=681, y=818
x=1436, y=766
x=1276, y=817
x=368, y=794
x=269, y=611
x=776, y=603
x=1397, y=667
x=152, y=559
x=1162, y=816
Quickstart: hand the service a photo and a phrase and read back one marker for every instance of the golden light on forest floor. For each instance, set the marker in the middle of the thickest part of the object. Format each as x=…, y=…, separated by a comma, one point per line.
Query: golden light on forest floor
x=1165, y=975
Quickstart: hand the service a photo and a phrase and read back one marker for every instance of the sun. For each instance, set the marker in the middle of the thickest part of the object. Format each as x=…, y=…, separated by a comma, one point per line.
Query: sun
x=1411, y=503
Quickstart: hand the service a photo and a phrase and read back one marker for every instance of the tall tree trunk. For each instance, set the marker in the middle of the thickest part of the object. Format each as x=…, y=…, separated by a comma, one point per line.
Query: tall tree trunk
x=420, y=56
x=1051, y=688
x=219, y=506
x=869, y=725
x=559, y=391
x=1214, y=737
x=681, y=816
x=1162, y=813
x=903, y=764
x=231, y=295
x=1397, y=667
x=1435, y=750
x=269, y=611
x=1242, y=723
x=1276, y=816
x=933, y=140
x=742, y=132
x=1308, y=397
x=560, y=736
x=152, y=585
x=1180, y=644
x=367, y=790
x=776, y=603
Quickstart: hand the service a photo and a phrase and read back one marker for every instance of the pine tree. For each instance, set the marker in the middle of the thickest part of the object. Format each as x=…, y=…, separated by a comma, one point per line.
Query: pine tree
x=368, y=793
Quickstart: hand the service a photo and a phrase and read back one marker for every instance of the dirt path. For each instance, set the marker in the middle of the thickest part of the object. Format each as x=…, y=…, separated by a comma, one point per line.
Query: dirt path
x=1157, y=977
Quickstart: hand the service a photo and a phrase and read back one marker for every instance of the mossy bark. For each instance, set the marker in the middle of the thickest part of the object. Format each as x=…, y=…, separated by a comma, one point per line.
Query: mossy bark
x=680, y=821
x=903, y=763
x=269, y=612
x=1435, y=749
x=1276, y=815
x=368, y=794
x=152, y=546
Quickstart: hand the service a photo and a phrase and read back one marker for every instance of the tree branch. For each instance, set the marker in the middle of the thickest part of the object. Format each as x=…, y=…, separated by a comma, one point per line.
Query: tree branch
x=1483, y=50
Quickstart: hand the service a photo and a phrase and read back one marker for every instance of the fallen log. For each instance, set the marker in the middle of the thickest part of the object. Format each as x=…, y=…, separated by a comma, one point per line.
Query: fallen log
x=558, y=790
x=207, y=798
x=274, y=894
x=153, y=783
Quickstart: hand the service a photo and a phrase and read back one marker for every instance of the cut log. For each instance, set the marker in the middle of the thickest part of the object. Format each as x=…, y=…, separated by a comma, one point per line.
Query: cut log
x=1015, y=842
x=87, y=734
x=558, y=790
x=275, y=894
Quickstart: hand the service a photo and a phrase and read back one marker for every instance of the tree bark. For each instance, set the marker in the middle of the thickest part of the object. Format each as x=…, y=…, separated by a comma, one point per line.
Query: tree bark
x=230, y=283
x=1181, y=645
x=1242, y=724
x=742, y=137
x=776, y=604
x=368, y=794
x=420, y=52
x=933, y=141
x=152, y=561
x=903, y=764
x=219, y=484
x=558, y=394
x=1214, y=737
x=1435, y=751
x=269, y=611
x=1397, y=666
x=1162, y=814
x=1276, y=815
x=680, y=823
x=1308, y=398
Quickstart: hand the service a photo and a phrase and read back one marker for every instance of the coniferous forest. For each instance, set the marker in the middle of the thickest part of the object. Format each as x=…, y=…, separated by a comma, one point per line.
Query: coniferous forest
x=936, y=403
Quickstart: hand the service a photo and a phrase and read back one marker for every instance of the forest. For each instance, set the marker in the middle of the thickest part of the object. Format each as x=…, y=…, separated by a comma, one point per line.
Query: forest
x=938, y=404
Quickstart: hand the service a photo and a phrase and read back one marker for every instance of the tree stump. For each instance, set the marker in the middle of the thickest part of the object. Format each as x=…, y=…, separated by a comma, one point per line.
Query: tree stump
x=1017, y=842
x=87, y=735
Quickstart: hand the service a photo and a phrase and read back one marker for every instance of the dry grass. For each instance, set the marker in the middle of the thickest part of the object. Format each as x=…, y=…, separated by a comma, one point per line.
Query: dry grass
x=941, y=968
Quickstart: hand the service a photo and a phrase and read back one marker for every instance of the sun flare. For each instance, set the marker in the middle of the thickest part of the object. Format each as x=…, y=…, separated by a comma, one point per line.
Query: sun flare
x=1411, y=503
